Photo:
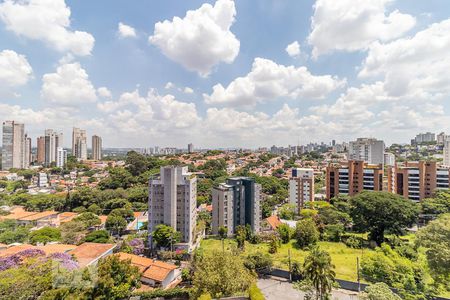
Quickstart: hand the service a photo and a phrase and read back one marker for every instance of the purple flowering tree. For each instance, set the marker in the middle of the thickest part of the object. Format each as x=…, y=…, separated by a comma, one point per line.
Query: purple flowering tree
x=137, y=246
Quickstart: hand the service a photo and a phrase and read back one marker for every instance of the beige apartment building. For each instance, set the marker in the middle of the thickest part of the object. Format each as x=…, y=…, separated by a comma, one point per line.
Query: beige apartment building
x=96, y=147
x=301, y=187
x=173, y=202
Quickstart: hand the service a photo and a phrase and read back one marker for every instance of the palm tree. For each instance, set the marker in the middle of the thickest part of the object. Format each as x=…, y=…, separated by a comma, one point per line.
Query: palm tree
x=318, y=269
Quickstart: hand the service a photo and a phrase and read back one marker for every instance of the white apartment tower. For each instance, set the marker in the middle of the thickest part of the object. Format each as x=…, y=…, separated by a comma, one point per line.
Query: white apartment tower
x=301, y=187
x=27, y=157
x=61, y=157
x=173, y=201
x=368, y=150
x=236, y=202
x=53, y=140
x=13, y=145
x=79, y=143
x=446, y=161
x=96, y=147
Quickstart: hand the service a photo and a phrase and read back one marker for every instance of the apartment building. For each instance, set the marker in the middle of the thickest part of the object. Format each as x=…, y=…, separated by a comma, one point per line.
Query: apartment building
x=368, y=150
x=13, y=145
x=236, y=202
x=173, y=201
x=425, y=138
x=353, y=177
x=419, y=180
x=79, y=143
x=40, y=149
x=53, y=140
x=301, y=187
x=96, y=147
x=61, y=157
x=389, y=159
x=446, y=161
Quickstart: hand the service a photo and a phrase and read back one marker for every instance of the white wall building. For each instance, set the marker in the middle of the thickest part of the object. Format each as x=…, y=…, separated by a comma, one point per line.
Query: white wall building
x=13, y=145
x=389, y=159
x=53, y=140
x=61, y=158
x=173, y=201
x=446, y=161
x=79, y=143
x=368, y=150
x=42, y=180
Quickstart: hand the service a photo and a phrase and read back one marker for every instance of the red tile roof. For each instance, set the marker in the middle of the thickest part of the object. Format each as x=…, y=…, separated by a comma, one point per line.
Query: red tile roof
x=87, y=253
x=274, y=222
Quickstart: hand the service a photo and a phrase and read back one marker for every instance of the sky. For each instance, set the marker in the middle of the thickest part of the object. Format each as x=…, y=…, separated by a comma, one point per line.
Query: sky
x=222, y=74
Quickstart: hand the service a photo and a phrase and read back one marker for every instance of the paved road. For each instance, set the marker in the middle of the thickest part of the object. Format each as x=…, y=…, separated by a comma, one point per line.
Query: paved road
x=279, y=289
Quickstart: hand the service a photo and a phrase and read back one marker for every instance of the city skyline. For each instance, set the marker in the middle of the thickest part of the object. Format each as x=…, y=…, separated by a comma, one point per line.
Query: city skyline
x=252, y=83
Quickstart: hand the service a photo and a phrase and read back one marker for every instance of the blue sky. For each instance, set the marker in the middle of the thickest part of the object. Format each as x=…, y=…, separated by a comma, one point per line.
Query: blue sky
x=220, y=75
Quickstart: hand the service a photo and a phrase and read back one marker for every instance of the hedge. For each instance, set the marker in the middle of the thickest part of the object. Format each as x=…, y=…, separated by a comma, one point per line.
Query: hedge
x=166, y=294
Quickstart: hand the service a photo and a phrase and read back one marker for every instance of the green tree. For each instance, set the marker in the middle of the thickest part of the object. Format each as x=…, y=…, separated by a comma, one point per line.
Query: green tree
x=259, y=262
x=223, y=234
x=116, y=279
x=165, y=235
x=241, y=236
x=285, y=233
x=378, y=212
x=220, y=274
x=306, y=233
x=136, y=163
x=89, y=219
x=287, y=211
x=116, y=224
x=274, y=244
x=439, y=204
x=435, y=237
x=318, y=274
x=72, y=232
x=118, y=178
x=378, y=291
x=45, y=235
x=98, y=236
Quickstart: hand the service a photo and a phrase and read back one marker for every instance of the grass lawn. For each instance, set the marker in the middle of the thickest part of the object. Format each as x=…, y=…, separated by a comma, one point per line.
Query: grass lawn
x=343, y=258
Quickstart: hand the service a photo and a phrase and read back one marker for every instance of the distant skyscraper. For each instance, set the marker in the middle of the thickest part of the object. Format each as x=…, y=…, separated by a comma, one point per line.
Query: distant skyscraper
x=190, y=148
x=236, y=202
x=27, y=157
x=173, y=201
x=79, y=143
x=13, y=150
x=425, y=138
x=368, y=150
x=61, y=157
x=40, y=150
x=96, y=147
x=53, y=140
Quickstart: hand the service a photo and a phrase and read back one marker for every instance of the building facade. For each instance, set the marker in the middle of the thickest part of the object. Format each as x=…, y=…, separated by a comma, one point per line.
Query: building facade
x=353, y=177
x=40, y=155
x=446, y=161
x=419, y=180
x=79, y=143
x=425, y=138
x=190, y=148
x=389, y=159
x=173, y=202
x=301, y=187
x=368, y=150
x=28, y=155
x=13, y=145
x=96, y=147
x=53, y=140
x=236, y=202
x=61, y=157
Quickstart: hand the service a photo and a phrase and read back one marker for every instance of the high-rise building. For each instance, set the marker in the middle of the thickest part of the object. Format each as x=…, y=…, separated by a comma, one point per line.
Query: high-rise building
x=447, y=153
x=173, y=202
x=425, y=138
x=441, y=138
x=236, y=202
x=419, y=180
x=352, y=178
x=13, y=149
x=79, y=143
x=53, y=140
x=61, y=157
x=368, y=150
x=389, y=159
x=301, y=187
x=27, y=158
x=190, y=148
x=40, y=150
x=96, y=147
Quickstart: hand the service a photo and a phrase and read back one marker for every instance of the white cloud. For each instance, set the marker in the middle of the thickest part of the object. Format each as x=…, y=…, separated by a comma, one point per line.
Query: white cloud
x=293, y=49
x=104, y=92
x=70, y=85
x=126, y=31
x=48, y=21
x=268, y=81
x=188, y=90
x=202, y=39
x=416, y=67
x=14, y=69
x=169, y=85
x=352, y=25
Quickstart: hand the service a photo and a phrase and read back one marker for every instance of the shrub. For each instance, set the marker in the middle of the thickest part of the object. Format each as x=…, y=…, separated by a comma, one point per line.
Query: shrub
x=308, y=213
x=259, y=262
x=333, y=233
x=206, y=296
x=255, y=293
x=354, y=242
x=166, y=294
